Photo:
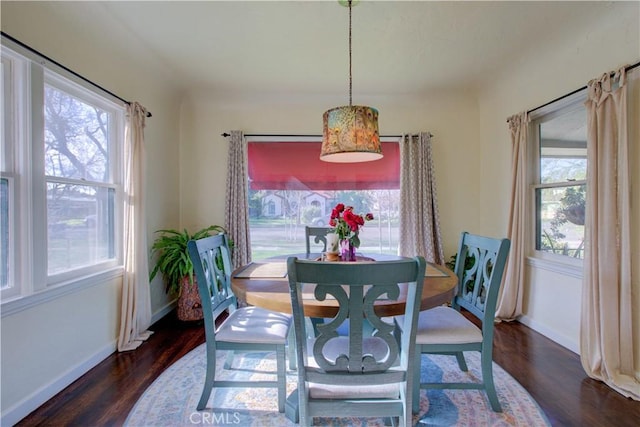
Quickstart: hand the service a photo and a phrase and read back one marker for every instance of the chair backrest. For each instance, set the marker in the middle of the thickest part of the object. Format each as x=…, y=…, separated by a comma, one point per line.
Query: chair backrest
x=480, y=265
x=212, y=268
x=319, y=235
x=368, y=358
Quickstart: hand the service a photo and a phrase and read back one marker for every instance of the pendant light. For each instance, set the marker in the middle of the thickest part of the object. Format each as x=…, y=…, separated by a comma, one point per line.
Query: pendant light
x=350, y=133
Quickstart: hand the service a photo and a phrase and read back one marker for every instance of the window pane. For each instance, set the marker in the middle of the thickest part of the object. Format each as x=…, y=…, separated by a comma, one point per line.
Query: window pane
x=560, y=220
x=76, y=138
x=561, y=170
x=80, y=226
x=563, y=147
x=4, y=233
x=290, y=187
x=6, y=124
x=277, y=219
x=4, y=184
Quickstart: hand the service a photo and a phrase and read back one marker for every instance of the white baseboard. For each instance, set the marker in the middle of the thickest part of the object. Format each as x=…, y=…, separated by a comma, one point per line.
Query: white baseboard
x=23, y=408
x=163, y=311
x=551, y=334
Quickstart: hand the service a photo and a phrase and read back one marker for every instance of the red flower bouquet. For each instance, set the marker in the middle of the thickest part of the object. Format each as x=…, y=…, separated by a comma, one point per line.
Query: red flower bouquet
x=347, y=223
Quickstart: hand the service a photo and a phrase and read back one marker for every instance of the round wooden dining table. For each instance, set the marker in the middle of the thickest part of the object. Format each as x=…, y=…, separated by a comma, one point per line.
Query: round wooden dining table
x=265, y=284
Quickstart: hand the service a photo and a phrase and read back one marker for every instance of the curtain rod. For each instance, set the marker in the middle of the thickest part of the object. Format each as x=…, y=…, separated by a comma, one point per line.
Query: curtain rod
x=29, y=48
x=629, y=68
x=225, y=134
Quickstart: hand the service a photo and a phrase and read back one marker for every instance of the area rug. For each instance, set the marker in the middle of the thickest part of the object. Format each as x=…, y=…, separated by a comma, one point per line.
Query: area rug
x=172, y=398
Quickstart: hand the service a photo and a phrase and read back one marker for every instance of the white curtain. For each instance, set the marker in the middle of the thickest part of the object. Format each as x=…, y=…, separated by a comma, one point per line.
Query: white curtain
x=419, y=219
x=237, y=203
x=510, y=298
x=607, y=330
x=135, y=315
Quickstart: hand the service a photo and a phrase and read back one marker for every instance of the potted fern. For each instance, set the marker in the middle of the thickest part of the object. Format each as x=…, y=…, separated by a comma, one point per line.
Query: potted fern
x=170, y=248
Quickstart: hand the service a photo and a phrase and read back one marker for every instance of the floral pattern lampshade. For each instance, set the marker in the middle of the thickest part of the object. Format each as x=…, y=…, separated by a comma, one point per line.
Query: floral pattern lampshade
x=350, y=134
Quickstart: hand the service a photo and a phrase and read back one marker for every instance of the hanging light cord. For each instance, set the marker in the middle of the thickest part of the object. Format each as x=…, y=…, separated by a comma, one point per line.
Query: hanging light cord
x=350, y=78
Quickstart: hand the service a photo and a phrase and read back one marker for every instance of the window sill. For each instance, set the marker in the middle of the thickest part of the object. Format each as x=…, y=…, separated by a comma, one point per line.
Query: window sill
x=20, y=303
x=571, y=270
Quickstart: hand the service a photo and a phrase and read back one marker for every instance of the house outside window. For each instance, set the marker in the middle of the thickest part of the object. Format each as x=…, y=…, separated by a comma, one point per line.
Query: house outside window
x=271, y=208
x=61, y=183
x=559, y=183
x=293, y=188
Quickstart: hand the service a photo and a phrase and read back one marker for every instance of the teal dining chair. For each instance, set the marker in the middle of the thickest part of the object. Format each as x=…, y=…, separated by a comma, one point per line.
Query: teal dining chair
x=317, y=235
x=480, y=265
x=360, y=374
x=244, y=329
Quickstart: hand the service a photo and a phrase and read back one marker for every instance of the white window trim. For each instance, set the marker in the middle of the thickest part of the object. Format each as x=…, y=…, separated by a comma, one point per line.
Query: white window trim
x=32, y=284
x=20, y=303
x=564, y=268
x=12, y=290
x=116, y=127
x=539, y=259
x=20, y=245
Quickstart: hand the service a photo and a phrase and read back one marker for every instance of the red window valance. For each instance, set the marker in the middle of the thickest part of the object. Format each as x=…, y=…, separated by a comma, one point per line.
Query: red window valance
x=297, y=166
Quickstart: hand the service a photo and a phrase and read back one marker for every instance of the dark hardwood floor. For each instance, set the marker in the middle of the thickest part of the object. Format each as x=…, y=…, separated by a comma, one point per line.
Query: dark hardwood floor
x=551, y=374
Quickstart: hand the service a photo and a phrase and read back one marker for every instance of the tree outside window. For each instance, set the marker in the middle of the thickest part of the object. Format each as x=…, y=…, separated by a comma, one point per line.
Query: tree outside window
x=561, y=182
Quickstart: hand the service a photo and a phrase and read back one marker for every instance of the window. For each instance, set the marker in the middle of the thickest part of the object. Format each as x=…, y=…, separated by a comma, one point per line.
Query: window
x=290, y=187
x=5, y=270
x=560, y=180
x=79, y=170
x=8, y=212
x=61, y=183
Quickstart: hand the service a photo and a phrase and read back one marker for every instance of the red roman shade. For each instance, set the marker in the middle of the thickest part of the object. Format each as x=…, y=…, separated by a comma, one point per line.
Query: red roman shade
x=297, y=166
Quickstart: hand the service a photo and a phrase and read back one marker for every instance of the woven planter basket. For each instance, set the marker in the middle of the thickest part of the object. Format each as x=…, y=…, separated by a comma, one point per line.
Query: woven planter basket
x=189, y=303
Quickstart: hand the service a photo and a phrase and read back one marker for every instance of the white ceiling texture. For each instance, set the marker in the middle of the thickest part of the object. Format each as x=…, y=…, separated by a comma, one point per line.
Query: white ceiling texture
x=287, y=47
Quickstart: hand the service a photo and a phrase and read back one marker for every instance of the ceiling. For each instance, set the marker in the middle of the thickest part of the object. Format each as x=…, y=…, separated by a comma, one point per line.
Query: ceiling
x=288, y=47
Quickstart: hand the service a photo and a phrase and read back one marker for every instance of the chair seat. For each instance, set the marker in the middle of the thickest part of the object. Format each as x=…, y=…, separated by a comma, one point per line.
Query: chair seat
x=480, y=263
x=330, y=391
x=244, y=329
x=368, y=372
x=340, y=345
x=255, y=325
x=444, y=325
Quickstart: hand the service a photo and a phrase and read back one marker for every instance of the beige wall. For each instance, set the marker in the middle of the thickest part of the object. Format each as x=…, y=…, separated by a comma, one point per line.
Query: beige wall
x=56, y=341
x=552, y=299
x=47, y=346
x=451, y=118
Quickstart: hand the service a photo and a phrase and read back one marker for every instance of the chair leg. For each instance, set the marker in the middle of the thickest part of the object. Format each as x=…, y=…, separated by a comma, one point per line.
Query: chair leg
x=305, y=420
x=291, y=347
x=209, y=379
x=487, y=379
x=461, y=362
x=407, y=418
x=282, y=377
x=393, y=421
x=417, y=367
x=229, y=360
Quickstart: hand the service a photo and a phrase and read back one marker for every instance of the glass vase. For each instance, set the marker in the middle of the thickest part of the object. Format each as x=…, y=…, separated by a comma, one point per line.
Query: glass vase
x=347, y=250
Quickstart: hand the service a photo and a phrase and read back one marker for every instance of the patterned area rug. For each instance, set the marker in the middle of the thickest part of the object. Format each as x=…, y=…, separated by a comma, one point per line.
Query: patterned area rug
x=172, y=398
